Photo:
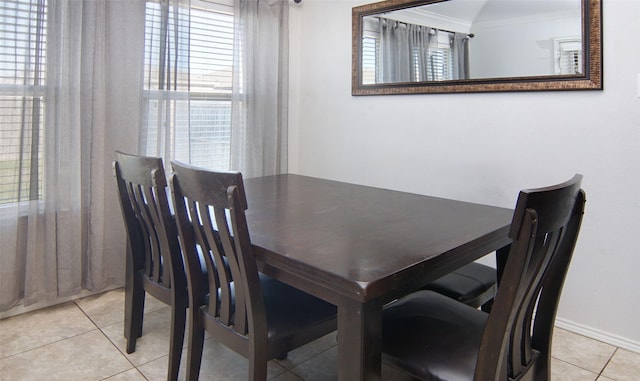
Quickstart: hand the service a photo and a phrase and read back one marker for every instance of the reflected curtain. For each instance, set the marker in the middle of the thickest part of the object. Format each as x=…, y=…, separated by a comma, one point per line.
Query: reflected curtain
x=404, y=51
x=260, y=87
x=68, y=239
x=460, y=48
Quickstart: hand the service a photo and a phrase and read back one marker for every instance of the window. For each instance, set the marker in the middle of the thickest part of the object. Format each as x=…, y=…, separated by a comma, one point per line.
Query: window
x=205, y=139
x=23, y=41
x=568, y=55
x=369, y=58
x=440, y=64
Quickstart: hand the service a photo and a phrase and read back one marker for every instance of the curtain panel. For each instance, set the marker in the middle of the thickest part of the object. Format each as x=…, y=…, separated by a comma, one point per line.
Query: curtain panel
x=69, y=239
x=395, y=54
x=417, y=53
x=404, y=51
x=260, y=87
x=460, y=47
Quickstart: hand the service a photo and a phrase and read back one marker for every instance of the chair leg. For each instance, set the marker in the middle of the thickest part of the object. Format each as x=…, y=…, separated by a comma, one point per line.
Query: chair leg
x=258, y=360
x=257, y=369
x=133, y=311
x=195, y=344
x=178, y=318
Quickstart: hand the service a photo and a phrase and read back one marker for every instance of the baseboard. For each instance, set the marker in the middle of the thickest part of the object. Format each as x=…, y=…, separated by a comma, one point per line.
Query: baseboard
x=599, y=335
x=21, y=309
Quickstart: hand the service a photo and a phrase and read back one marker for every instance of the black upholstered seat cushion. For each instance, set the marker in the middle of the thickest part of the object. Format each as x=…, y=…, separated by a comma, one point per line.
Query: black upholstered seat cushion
x=289, y=310
x=432, y=336
x=473, y=284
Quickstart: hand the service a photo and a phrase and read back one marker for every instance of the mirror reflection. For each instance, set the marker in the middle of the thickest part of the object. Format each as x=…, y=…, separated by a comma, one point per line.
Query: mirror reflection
x=473, y=39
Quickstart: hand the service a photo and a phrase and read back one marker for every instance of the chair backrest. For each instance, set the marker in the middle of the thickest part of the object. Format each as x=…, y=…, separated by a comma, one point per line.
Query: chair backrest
x=544, y=230
x=151, y=230
x=210, y=213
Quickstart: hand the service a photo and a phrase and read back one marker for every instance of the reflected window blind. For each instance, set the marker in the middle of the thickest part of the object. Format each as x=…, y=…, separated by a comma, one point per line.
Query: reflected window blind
x=370, y=46
x=568, y=55
x=23, y=40
x=440, y=67
x=209, y=66
x=440, y=57
x=570, y=58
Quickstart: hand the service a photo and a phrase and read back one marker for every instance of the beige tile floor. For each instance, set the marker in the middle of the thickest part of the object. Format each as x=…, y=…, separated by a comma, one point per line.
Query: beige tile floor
x=83, y=340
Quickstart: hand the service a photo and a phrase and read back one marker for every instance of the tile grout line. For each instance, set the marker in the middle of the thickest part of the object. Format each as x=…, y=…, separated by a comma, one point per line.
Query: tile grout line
x=607, y=363
x=577, y=366
x=308, y=360
x=48, y=343
x=108, y=339
x=44, y=345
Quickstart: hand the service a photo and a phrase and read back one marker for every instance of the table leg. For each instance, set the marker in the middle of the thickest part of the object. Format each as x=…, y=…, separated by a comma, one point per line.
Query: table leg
x=359, y=340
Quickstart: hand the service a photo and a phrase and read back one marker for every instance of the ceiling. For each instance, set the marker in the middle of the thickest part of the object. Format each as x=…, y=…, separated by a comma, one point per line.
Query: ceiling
x=468, y=12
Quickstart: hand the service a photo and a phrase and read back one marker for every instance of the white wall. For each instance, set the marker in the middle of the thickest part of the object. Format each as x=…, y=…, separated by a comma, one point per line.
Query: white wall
x=486, y=147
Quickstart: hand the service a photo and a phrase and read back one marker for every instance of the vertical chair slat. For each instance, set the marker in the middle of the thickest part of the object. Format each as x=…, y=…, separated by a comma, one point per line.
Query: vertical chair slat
x=165, y=226
x=240, y=310
x=135, y=195
x=156, y=227
x=219, y=274
x=152, y=245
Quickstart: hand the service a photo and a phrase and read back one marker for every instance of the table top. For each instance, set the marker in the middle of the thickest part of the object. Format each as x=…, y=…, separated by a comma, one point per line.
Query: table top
x=365, y=242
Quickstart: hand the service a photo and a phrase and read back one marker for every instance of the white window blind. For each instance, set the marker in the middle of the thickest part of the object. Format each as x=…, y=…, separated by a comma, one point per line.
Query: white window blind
x=23, y=40
x=205, y=139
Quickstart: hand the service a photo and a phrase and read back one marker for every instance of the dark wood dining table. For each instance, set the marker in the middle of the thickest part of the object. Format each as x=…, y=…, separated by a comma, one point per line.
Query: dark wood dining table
x=361, y=247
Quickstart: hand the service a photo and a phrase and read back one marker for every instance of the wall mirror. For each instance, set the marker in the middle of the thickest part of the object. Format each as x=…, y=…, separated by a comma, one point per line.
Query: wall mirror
x=459, y=46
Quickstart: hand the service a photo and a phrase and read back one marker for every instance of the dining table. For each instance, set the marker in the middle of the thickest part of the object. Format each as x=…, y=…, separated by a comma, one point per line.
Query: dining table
x=362, y=247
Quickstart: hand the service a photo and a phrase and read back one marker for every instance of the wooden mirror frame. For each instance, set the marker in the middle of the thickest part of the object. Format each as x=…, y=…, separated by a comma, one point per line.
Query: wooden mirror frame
x=590, y=80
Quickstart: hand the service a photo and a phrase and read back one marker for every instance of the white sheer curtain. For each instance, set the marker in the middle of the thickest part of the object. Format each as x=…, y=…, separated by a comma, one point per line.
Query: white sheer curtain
x=260, y=87
x=166, y=112
x=68, y=239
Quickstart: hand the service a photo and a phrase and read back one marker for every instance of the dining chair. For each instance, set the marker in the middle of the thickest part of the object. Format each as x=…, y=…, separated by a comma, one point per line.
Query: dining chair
x=432, y=337
x=154, y=260
x=474, y=284
x=252, y=314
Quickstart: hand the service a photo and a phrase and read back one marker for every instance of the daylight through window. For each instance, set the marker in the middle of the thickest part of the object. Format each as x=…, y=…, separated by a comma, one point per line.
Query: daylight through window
x=23, y=42
x=203, y=136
